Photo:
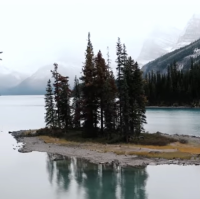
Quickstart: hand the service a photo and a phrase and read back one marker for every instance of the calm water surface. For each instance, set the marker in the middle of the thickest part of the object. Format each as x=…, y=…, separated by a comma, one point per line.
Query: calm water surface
x=34, y=176
x=173, y=120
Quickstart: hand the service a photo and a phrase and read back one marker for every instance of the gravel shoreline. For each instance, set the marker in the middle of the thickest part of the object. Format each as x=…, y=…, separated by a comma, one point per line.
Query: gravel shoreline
x=36, y=144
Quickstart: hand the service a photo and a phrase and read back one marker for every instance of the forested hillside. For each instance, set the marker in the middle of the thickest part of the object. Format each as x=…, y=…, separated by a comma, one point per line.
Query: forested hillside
x=175, y=88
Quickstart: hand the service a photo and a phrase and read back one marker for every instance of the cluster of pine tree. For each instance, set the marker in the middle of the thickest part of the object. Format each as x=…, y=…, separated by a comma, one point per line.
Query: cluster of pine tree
x=101, y=105
x=57, y=102
x=175, y=88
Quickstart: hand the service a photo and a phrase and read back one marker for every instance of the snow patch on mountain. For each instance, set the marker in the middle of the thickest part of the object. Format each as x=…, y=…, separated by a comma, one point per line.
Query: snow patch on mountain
x=164, y=40
x=191, y=32
x=160, y=41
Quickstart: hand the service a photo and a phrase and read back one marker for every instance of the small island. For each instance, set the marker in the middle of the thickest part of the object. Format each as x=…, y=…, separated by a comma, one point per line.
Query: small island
x=153, y=149
x=101, y=119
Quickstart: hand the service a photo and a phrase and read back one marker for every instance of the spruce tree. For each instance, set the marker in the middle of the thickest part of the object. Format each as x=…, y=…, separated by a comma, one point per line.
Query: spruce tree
x=89, y=107
x=110, y=109
x=50, y=115
x=140, y=101
x=125, y=109
x=57, y=91
x=119, y=79
x=100, y=82
x=129, y=70
x=76, y=104
x=110, y=94
x=133, y=99
x=64, y=102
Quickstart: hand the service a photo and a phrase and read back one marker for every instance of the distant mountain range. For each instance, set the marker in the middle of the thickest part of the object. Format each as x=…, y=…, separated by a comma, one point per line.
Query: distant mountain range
x=34, y=84
x=163, y=47
x=164, y=40
x=9, y=78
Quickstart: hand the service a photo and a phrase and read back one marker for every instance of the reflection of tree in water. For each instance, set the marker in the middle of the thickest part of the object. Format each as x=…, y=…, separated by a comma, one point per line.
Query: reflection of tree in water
x=99, y=181
x=134, y=182
x=63, y=174
x=112, y=184
x=50, y=168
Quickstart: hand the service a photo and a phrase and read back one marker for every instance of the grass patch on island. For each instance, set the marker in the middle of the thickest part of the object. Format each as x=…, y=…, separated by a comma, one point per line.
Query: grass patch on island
x=154, y=139
x=164, y=155
x=148, y=145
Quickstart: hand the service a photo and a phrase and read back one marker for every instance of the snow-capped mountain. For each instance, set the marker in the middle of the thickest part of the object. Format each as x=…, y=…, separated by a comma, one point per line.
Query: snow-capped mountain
x=160, y=41
x=36, y=83
x=164, y=40
x=182, y=56
x=9, y=78
x=191, y=32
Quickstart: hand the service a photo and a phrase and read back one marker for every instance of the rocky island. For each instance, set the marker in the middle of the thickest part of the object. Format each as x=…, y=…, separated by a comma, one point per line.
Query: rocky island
x=186, y=151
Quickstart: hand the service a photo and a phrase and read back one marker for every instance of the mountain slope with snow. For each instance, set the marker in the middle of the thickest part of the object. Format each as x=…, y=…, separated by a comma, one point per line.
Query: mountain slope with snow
x=181, y=56
x=191, y=32
x=164, y=40
x=159, y=42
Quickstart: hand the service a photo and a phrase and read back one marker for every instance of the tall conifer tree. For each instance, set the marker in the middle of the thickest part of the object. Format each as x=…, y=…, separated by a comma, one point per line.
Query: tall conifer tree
x=76, y=104
x=89, y=108
x=64, y=101
x=57, y=90
x=100, y=82
x=50, y=115
x=119, y=78
x=140, y=101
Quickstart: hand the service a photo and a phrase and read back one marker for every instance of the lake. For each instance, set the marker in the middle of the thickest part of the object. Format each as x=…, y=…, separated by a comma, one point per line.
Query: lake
x=34, y=175
x=173, y=120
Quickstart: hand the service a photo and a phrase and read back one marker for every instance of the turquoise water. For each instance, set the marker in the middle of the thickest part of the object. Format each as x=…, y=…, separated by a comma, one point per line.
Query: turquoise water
x=173, y=120
x=35, y=176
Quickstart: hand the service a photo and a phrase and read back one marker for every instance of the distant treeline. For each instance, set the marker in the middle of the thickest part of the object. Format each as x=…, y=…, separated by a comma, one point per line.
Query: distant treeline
x=102, y=105
x=175, y=88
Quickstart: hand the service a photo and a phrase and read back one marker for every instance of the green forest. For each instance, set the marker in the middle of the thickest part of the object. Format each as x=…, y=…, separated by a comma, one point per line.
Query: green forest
x=175, y=88
x=103, y=106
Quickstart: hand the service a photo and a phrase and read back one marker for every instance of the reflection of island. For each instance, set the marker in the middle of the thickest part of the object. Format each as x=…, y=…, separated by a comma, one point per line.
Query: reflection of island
x=77, y=178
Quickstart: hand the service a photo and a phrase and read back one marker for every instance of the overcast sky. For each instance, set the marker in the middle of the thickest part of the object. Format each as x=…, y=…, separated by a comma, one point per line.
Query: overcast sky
x=34, y=33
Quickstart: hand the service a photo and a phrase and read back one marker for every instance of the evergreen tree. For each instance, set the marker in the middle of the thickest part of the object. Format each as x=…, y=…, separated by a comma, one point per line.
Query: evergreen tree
x=50, y=115
x=133, y=99
x=76, y=104
x=125, y=109
x=110, y=111
x=64, y=102
x=89, y=106
x=124, y=56
x=140, y=101
x=110, y=91
x=119, y=79
x=57, y=91
x=100, y=82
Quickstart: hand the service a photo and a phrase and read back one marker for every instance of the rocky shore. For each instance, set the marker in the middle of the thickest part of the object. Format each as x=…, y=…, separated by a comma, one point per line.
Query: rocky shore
x=34, y=143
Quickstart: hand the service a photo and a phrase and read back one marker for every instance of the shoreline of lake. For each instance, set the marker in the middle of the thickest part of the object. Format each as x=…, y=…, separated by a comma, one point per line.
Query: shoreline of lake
x=174, y=107
x=97, y=153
